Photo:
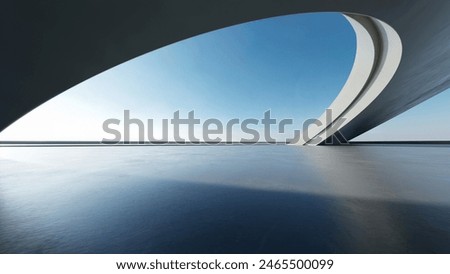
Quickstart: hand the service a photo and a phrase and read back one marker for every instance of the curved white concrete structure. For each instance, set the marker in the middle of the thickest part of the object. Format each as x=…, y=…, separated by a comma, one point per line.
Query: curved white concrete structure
x=378, y=54
x=49, y=47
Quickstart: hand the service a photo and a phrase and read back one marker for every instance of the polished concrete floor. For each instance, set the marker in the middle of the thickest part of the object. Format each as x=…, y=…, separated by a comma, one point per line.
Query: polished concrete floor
x=225, y=199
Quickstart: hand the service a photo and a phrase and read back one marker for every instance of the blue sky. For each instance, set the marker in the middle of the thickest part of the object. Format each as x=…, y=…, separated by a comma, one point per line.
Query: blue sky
x=293, y=65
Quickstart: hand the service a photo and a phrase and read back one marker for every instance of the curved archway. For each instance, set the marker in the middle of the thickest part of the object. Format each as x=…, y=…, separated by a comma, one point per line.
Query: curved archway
x=75, y=42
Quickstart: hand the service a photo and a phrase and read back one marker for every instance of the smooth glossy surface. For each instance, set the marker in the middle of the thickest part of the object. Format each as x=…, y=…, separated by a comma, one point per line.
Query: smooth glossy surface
x=225, y=199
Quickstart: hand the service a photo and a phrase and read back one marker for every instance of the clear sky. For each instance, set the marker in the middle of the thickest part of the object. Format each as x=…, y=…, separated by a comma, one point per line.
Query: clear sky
x=292, y=65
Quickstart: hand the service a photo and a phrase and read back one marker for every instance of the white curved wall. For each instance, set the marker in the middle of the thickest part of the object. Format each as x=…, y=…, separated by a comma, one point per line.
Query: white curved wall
x=378, y=55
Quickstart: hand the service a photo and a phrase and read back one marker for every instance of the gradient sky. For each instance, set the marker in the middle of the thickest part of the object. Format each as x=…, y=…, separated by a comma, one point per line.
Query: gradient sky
x=293, y=65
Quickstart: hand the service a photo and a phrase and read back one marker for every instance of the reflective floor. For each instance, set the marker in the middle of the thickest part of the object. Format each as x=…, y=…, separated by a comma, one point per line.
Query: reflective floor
x=225, y=199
